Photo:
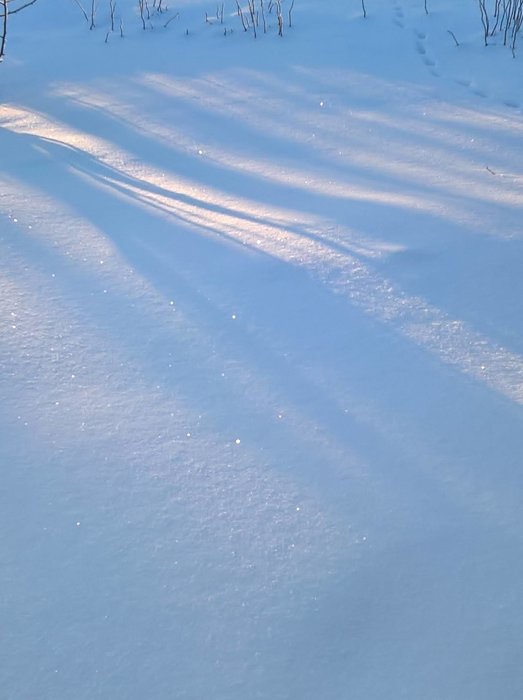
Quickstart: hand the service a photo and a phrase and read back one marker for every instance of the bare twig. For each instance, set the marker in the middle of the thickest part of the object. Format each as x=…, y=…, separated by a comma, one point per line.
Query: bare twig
x=112, y=8
x=3, y=37
x=22, y=7
x=453, y=36
x=83, y=11
x=279, y=17
x=263, y=17
x=290, y=13
x=6, y=12
x=484, y=20
x=240, y=15
x=252, y=12
x=171, y=19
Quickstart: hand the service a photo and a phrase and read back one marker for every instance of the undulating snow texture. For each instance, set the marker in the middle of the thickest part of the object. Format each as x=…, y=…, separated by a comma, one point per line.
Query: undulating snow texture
x=261, y=354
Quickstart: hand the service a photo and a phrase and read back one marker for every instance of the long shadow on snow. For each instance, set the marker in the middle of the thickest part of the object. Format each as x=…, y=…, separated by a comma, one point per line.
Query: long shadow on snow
x=280, y=319
x=407, y=263
x=432, y=269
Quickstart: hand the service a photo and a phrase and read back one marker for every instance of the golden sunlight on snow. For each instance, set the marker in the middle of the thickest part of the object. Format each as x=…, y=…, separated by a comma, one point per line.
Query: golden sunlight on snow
x=329, y=251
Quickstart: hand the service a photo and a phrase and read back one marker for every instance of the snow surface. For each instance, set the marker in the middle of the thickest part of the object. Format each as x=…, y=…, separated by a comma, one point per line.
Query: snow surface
x=261, y=356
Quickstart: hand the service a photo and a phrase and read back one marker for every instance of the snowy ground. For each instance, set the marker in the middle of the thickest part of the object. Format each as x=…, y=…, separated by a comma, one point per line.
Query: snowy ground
x=261, y=357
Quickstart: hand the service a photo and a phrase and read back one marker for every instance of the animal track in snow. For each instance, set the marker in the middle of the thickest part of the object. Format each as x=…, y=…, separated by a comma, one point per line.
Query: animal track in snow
x=421, y=49
x=480, y=92
x=398, y=16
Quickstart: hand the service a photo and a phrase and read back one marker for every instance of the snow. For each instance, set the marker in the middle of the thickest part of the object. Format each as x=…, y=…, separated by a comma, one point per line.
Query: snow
x=261, y=356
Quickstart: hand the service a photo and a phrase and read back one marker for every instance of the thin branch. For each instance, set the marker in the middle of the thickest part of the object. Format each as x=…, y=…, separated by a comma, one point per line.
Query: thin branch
x=453, y=36
x=171, y=19
x=290, y=13
x=22, y=7
x=240, y=15
x=4, y=29
x=83, y=11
